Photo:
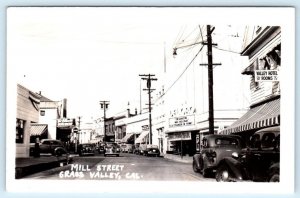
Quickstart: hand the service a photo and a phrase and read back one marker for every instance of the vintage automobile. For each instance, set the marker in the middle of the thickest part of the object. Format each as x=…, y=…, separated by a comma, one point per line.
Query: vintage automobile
x=258, y=162
x=100, y=148
x=137, y=149
x=126, y=148
x=151, y=150
x=213, y=149
x=48, y=146
x=112, y=148
x=86, y=149
x=142, y=149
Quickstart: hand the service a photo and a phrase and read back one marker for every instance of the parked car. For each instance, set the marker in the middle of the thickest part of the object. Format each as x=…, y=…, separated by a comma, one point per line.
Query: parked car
x=137, y=148
x=258, y=162
x=142, y=149
x=86, y=149
x=100, y=148
x=54, y=147
x=126, y=148
x=213, y=149
x=112, y=148
x=152, y=150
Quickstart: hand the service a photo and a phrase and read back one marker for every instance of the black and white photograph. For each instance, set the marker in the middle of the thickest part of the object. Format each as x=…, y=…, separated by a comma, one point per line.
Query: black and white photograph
x=150, y=99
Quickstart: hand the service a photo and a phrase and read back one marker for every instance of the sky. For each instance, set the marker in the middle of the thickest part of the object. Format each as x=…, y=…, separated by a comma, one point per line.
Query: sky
x=89, y=55
x=85, y=55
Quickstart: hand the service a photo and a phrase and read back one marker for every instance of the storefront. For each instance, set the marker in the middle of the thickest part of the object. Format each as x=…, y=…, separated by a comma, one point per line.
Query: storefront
x=27, y=114
x=38, y=132
x=182, y=143
x=181, y=135
x=261, y=115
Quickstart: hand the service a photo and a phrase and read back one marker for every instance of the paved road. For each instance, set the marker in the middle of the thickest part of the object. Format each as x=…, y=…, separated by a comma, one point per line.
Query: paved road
x=125, y=167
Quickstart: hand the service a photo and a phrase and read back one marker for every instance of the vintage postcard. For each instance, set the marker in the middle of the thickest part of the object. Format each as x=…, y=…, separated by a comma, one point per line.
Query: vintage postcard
x=150, y=99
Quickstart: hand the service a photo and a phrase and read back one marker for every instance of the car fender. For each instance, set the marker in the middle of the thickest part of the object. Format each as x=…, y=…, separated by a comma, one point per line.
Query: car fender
x=197, y=158
x=235, y=168
x=60, y=149
x=274, y=168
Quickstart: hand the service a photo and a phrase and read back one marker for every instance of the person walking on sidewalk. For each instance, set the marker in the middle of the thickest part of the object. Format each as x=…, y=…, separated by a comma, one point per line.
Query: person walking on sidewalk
x=37, y=148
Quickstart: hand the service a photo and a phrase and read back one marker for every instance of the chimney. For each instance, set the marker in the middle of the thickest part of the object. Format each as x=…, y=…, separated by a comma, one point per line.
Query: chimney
x=128, y=110
x=135, y=111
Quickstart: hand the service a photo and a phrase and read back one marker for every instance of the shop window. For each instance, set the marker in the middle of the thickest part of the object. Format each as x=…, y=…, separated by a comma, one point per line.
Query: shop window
x=20, y=125
x=42, y=112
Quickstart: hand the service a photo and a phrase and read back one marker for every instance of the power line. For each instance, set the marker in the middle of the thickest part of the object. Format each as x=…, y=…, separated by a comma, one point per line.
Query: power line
x=180, y=74
x=226, y=50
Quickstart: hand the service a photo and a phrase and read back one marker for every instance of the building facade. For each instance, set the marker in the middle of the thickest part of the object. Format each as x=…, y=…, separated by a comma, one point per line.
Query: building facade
x=27, y=115
x=262, y=45
x=182, y=115
x=50, y=112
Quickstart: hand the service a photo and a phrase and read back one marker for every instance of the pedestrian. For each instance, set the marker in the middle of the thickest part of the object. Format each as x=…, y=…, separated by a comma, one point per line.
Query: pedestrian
x=37, y=148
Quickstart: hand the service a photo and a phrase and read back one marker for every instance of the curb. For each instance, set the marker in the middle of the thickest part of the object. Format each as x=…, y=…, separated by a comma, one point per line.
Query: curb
x=31, y=169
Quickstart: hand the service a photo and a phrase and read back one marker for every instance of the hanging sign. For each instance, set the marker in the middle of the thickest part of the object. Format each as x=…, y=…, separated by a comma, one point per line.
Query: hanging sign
x=266, y=75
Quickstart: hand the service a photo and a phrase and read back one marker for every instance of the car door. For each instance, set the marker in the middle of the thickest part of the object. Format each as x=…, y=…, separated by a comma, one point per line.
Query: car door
x=260, y=156
x=45, y=146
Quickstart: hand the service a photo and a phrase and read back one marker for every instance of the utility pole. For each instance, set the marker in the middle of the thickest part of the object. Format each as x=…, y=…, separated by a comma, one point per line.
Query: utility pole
x=149, y=78
x=104, y=105
x=79, y=130
x=210, y=65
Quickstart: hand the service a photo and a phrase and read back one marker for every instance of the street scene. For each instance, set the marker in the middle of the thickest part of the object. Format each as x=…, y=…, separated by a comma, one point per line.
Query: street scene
x=149, y=100
x=126, y=167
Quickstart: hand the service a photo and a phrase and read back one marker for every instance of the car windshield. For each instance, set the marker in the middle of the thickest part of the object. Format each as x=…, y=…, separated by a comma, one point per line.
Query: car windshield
x=226, y=141
x=85, y=145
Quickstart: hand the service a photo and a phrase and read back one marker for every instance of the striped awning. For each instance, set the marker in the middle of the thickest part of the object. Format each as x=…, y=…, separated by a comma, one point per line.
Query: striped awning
x=38, y=129
x=142, y=137
x=264, y=115
x=126, y=137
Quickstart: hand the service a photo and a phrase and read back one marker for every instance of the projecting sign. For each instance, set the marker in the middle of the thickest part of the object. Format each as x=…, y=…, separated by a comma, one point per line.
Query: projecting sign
x=266, y=75
x=65, y=122
x=182, y=121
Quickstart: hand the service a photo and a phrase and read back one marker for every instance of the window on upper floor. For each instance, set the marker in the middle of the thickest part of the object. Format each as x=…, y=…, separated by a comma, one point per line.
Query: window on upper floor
x=42, y=112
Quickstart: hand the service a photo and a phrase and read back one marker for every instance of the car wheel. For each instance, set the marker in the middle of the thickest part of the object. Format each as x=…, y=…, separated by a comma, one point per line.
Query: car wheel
x=195, y=168
x=274, y=178
x=104, y=155
x=206, y=173
x=118, y=155
x=222, y=174
x=58, y=153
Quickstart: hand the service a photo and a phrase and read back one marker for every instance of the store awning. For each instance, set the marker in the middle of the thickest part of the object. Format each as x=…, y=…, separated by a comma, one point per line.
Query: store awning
x=264, y=115
x=141, y=138
x=126, y=137
x=38, y=129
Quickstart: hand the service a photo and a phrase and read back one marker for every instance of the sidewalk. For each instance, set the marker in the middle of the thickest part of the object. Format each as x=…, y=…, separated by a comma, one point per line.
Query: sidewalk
x=30, y=165
x=178, y=158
